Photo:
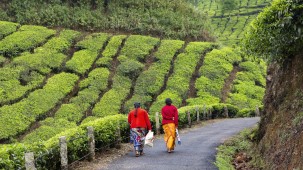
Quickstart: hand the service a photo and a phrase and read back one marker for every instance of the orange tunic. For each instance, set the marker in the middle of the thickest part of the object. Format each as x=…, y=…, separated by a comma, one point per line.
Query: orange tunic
x=141, y=121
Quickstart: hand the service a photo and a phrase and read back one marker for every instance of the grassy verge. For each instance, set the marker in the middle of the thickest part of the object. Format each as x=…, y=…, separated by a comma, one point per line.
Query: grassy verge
x=239, y=152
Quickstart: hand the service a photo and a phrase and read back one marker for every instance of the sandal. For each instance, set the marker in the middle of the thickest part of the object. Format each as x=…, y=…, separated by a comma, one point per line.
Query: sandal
x=137, y=153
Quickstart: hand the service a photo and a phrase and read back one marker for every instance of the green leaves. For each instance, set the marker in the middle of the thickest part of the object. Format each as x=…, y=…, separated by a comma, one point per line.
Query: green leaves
x=276, y=32
x=17, y=117
x=7, y=28
x=81, y=61
x=28, y=37
x=93, y=42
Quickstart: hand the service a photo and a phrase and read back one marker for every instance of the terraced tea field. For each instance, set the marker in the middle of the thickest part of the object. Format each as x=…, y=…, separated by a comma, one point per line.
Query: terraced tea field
x=55, y=82
x=230, y=25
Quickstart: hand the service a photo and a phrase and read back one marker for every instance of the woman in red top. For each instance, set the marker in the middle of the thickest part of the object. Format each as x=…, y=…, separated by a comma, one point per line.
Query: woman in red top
x=139, y=123
x=169, y=124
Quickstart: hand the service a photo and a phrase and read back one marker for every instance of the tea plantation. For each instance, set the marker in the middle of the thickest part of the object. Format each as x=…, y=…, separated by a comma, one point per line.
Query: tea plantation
x=57, y=82
x=230, y=19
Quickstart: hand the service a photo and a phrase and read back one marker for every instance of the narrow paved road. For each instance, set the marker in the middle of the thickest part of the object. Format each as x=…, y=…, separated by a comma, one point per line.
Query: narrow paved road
x=197, y=151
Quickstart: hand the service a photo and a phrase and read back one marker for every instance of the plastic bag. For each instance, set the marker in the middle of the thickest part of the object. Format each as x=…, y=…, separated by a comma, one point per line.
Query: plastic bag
x=149, y=139
x=178, y=137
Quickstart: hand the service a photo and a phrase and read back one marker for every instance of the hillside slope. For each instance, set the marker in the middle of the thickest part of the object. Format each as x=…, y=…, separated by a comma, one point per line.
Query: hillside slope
x=101, y=74
x=229, y=20
x=162, y=18
x=276, y=35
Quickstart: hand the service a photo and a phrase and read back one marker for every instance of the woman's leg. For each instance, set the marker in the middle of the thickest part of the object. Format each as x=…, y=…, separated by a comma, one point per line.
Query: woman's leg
x=138, y=135
x=169, y=136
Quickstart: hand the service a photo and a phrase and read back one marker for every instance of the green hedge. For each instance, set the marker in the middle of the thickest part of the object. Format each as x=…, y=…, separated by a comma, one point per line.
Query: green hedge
x=110, y=50
x=184, y=66
x=12, y=89
x=49, y=127
x=20, y=76
x=7, y=28
x=150, y=81
x=130, y=68
x=16, y=118
x=137, y=47
x=82, y=61
x=60, y=43
x=47, y=154
x=111, y=101
x=51, y=55
x=216, y=68
x=249, y=86
x=93, y=42
x=72, y=112
x=44, y=62
x=113, y=45
x=174, y=19
x=26, y=38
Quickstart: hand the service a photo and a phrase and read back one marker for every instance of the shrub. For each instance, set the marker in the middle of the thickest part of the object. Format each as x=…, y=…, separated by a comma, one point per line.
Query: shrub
x=81, y=61
x=7, y=28
x=28, y=37
x=49, y=128
x=130, y=68
x=18, y=117
x=276, y=32
x=47, y=154
x=93, y=42
x=246, y=113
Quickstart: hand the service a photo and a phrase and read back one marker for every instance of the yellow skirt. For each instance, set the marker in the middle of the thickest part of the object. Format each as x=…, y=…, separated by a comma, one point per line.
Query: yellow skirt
x=170, y=135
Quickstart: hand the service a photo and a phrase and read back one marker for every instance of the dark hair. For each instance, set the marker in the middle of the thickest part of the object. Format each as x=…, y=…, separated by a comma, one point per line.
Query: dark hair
x=136, y=105
x=168, y=101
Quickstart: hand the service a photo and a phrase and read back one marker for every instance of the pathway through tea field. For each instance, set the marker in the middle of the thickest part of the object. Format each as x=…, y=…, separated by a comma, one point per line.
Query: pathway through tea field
x=197, y=151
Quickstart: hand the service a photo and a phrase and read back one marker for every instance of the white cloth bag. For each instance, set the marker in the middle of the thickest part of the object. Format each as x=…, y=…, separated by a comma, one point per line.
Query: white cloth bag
x=149, y=139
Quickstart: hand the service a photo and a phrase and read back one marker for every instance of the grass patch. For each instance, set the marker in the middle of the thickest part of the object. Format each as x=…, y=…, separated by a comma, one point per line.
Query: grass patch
x=238, y=150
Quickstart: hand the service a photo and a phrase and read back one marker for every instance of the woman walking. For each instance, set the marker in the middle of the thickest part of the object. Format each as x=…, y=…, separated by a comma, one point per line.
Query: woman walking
x=139, y=123
x=169, y=124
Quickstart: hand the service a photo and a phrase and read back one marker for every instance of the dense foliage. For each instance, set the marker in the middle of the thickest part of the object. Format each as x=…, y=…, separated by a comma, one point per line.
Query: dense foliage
x=173, y=18
x=63, y=81
x=277, y=31
x=230, y=18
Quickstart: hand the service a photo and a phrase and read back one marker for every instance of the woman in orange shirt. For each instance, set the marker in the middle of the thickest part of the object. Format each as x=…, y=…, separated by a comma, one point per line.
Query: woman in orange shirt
x=139, y=123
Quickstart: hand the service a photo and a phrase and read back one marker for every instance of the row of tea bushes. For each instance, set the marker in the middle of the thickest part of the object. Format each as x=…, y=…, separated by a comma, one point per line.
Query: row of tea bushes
x=150, y=82
x=135, y=50
x=216, y=68
x=29, y=70
x=230, y=24
x=16, y=118
x=249, y=86
x=71, y=113
x=90, y=88
x=184, y=67
x=51, y=55
x=83, y=59
x=7, y=28
x=111, y=50
x=47, y=153
x=26, y=38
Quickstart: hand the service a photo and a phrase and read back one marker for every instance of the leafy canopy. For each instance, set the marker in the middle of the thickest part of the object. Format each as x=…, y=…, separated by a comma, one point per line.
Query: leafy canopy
x=277, y=31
